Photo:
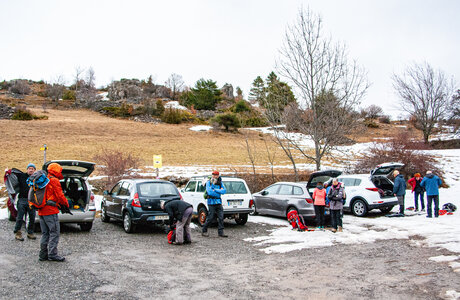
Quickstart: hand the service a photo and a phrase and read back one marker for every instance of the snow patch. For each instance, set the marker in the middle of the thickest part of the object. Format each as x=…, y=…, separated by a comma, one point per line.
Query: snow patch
x=452, y=294
x=444, y=258
x=201, y=128
x=175, y=105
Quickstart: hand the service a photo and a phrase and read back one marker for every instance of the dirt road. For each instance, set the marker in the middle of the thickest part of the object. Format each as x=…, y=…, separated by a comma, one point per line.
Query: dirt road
x=107, y=263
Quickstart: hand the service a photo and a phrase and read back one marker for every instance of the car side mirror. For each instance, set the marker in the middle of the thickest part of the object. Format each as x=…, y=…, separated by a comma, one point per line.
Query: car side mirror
x=263, y=193
x=106, y=193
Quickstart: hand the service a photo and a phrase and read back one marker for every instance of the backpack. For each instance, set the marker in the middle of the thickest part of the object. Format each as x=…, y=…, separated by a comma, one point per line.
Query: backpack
x=449, y=207
x=37, y=183
x=296, y=221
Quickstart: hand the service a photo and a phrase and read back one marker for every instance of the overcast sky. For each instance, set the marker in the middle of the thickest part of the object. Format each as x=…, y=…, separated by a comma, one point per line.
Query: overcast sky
x=227, y=41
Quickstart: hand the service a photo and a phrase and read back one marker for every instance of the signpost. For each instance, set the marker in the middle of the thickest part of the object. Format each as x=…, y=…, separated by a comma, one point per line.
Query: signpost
x=157, y=164
x=44, y=148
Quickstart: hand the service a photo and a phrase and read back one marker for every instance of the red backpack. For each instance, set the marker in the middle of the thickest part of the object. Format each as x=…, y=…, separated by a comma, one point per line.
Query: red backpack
x=297, y=221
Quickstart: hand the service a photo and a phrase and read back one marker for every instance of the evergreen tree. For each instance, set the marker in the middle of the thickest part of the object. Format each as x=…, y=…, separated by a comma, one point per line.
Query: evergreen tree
x=205, y=95
x=257, y=92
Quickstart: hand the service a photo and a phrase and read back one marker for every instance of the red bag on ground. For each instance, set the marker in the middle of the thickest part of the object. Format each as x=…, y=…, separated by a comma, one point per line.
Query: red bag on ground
x=296, y=221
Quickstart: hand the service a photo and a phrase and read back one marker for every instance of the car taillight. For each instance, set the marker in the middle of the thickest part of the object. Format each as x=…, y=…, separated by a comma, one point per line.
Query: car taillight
x=372, y=189
x=309, y=200
x=91, y=199
x=181, y=196
x=251, y=203
x=136, y=201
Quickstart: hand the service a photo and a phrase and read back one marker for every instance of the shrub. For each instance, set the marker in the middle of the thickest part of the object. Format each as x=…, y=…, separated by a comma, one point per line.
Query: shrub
x=402, y=148
x=384, y=119
x=172, y=116
x=159, y=109
x=23, y=114
x=69, y=95
x=227, y=120
x=116, y=164
x=241, y=106
x=20, y=86
x=124, y=111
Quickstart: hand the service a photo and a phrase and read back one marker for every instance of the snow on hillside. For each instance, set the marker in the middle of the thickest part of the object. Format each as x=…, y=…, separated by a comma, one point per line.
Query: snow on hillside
x=175, y=105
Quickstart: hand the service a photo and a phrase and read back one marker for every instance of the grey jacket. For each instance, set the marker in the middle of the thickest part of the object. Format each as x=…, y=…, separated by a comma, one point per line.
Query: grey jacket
x=335, y=196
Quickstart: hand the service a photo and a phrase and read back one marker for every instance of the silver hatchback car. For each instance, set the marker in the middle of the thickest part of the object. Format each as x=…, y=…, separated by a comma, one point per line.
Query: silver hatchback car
x=280, y=198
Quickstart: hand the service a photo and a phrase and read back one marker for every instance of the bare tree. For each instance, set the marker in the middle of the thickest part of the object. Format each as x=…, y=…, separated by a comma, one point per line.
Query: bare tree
x=425, y=94
x=55, y=89
x=271, y=159
x=372, y=112
x=317, y=68
x=77, y=78
x=176, y=83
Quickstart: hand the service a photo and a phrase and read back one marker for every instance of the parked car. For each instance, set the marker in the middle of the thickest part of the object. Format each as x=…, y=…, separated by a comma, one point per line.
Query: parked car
x=367, y=192
x=282, y=197
x=78, y=192
x=137, y=202
x=236, y=202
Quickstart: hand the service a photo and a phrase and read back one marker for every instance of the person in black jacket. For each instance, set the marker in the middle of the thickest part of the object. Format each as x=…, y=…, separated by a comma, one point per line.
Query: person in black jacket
x=23, y=206
x=180, y=212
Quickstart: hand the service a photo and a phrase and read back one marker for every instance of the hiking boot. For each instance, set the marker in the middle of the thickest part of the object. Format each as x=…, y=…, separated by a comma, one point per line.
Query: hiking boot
x=57, y=258
x=205, y=234
x=423, y=209
x=44, y=258
x=18, y=236
x=333, y=230
x=339, y=229
x=31, y=236
x=223, y=235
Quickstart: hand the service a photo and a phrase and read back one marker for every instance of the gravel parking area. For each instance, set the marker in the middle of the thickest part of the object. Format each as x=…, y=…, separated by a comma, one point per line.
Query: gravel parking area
x=107, y=263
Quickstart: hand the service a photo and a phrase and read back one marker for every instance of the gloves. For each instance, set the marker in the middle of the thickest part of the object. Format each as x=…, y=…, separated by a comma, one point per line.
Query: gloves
x=65, y=210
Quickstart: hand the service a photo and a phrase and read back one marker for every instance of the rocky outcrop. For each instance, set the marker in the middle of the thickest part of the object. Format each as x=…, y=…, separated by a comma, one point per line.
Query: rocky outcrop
x=6, y=112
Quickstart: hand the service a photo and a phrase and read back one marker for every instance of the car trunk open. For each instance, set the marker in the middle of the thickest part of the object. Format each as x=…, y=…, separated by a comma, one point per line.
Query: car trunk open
x=321, y=176
x=379, y=177
x=73, y=167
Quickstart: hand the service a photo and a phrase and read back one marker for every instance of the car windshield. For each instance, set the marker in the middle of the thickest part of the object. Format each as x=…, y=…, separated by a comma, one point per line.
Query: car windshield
x=235, y=187
x=155, y=189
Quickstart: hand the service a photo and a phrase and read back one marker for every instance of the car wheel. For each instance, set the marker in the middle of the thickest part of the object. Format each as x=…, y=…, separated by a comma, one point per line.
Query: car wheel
x=386, y=209
x=104, y=217
x=86, y=226
x=202, y=216
x=359, y=208
x=128, y=225
x=241, y=219
x=254, y=210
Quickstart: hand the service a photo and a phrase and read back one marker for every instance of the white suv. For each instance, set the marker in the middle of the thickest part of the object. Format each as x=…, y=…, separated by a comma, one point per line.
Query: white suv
x=366, y=192
x=236, y=202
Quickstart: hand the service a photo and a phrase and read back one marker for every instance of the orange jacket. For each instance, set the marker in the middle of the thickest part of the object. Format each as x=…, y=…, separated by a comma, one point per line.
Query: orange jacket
x=53, y=191
x=319, y=195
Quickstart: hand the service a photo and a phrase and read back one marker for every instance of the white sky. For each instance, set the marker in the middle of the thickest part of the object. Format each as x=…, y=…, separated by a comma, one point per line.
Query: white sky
x=226, y=41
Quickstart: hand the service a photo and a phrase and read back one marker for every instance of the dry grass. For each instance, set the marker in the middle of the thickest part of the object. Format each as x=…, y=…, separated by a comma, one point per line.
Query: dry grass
x=81, y=134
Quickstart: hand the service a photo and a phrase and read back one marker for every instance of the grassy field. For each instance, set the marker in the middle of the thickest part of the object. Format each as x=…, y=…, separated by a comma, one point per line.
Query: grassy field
x=81, y=134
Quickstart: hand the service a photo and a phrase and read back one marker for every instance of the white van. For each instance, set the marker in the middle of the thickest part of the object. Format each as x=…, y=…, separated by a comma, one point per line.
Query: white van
x=236, y=202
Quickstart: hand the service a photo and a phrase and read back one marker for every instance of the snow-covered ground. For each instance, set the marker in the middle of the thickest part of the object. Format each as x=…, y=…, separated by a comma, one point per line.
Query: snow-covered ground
x=175, y=105
x=201, y=128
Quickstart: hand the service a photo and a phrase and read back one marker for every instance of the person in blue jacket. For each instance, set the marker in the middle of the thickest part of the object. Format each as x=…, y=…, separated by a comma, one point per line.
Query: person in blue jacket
x=399, y=190
x=215, y=189
x=431, y=183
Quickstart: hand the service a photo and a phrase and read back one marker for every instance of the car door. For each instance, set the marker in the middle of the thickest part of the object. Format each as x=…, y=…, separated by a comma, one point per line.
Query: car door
x=189, y=194
x=121, y=198
x=281, y=200
x=265, y=198
x=351, y=186
x=109, y=199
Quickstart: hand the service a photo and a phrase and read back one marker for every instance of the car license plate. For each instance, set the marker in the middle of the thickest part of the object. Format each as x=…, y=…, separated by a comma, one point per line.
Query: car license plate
x=153, y=218
x=235, y=202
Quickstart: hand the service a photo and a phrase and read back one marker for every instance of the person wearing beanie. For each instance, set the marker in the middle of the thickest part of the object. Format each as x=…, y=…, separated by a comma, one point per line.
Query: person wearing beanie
x=23, y=207
x=418, y=190
x=215, y=189
x=431, y=183
x=399, y=190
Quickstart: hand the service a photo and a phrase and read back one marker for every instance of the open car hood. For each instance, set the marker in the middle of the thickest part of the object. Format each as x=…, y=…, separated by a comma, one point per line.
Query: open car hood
x=73, y=167
x=322, y=176
x=386, y=169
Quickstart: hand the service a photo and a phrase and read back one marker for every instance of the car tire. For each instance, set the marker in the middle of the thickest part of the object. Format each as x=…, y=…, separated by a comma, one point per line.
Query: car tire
x=359, y=208
x=241, y=219
x=254, y=210
x=104, y=217
x=202, y=216
x=86, y=226
x=386, y=210
x=128, y=225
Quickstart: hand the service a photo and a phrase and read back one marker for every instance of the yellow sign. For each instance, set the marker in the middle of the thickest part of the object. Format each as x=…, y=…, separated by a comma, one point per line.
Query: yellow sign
x=44, y=148
x=157, y=161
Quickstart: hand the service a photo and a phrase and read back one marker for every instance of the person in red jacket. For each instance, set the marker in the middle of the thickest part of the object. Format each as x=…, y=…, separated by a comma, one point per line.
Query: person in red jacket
x=49, y=222
x=418, y=190
x=319, y=197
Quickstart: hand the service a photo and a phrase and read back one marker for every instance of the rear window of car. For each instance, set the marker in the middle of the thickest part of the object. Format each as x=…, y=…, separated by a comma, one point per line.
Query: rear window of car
x=235, y=187
x=152, y=189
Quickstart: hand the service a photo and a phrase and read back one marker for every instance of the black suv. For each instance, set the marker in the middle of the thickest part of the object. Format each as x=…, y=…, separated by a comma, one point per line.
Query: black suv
x=137, y=201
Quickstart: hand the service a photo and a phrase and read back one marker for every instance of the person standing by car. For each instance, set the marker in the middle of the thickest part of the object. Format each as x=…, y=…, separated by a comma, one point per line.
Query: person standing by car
x=319, y=197
x=215, y=189
x=335, y=197
x=418, y=190
x=431, y=183
x=399, y=190
x=23, y=207
x=180, y=212
x=49, y=222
